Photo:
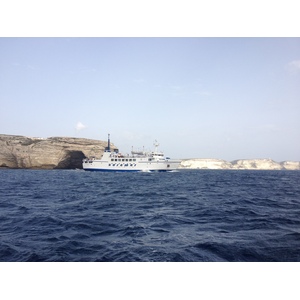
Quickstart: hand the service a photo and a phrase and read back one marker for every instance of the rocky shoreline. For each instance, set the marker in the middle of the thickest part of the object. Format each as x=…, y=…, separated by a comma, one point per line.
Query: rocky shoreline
x=20, y=152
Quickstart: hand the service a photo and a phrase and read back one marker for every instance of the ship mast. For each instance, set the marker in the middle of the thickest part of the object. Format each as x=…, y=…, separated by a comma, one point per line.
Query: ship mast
x=107, y=149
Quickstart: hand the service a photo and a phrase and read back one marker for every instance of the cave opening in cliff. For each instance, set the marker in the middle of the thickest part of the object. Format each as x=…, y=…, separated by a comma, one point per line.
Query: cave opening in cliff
x=72, y=160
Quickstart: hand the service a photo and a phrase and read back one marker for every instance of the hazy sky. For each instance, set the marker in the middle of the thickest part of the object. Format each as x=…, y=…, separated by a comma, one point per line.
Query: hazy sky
x=226, y=98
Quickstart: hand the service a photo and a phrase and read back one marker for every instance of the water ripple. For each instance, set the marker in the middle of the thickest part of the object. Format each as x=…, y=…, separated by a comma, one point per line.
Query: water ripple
x=200, y=215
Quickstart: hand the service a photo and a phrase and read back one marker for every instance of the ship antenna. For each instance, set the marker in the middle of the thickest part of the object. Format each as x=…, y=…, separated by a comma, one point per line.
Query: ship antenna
x=156, y=144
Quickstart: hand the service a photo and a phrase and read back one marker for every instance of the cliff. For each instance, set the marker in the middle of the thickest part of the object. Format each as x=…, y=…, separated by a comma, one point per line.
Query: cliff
x=242, y=164
x=253, y=164
x=49, y=153
x=201, y=163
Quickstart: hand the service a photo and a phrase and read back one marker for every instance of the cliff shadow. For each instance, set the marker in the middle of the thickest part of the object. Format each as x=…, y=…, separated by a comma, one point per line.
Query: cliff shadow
x=72, y=160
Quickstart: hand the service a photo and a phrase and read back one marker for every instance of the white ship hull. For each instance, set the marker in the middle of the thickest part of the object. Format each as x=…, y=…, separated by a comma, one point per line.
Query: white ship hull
x=136, y=162
x=144, y=166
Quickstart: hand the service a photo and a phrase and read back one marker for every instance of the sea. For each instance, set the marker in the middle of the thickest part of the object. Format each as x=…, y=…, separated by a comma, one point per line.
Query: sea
x=180, y=216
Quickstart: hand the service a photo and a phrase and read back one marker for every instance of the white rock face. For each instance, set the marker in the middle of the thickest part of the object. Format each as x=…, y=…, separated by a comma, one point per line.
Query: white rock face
x=256, y=164
x=291, y=165
x=202, y=163
x=241, y=164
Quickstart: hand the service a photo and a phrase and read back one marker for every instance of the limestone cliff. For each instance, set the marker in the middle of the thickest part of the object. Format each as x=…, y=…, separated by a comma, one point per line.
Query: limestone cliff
x=203, y=163
x=290, y=165
x=49, y=153
x=242, y=164
x=256, y=164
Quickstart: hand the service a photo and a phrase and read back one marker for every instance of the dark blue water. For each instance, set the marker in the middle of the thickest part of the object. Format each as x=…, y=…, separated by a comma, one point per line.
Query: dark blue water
x=203, y=215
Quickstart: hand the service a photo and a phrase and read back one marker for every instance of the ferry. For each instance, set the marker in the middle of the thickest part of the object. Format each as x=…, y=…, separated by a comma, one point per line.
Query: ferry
x=138, y=161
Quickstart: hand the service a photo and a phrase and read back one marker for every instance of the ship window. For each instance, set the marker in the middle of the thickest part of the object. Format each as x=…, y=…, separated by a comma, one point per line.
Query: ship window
x=134, y=159
x=123, y=159
x=130, y=159
x=112, y=159
x=119, y=159
x=126, y=159
x=149, y=159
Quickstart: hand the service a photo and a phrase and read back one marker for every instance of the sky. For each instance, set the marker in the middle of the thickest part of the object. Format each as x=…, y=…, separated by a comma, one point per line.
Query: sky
x=224, y=98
